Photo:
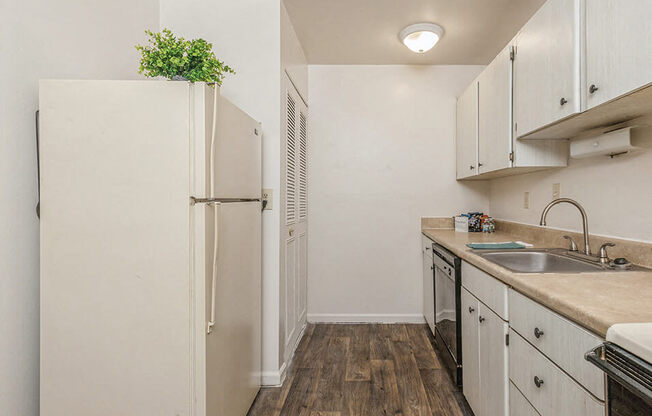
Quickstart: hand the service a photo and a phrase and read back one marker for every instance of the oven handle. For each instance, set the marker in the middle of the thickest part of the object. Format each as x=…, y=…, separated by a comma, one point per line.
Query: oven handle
x=630, y=379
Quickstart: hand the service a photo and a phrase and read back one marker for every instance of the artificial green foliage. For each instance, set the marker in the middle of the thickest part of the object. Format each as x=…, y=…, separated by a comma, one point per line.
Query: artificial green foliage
x=175, y=57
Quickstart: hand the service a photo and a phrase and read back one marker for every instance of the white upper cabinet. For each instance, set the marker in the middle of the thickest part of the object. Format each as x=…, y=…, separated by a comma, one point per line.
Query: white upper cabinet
x=547, y=66
x=618, y=48
x=495, y=114
x=467, y=132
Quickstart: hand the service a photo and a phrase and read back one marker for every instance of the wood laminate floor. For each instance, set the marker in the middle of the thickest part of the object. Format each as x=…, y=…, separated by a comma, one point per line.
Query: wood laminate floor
x=364, y=370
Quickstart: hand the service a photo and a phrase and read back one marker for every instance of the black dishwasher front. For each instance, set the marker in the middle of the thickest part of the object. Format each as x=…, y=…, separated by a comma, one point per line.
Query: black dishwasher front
x=448, y=326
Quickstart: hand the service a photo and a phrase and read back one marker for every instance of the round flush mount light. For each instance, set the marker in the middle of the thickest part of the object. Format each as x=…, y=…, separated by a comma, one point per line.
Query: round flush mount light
x=421, y=37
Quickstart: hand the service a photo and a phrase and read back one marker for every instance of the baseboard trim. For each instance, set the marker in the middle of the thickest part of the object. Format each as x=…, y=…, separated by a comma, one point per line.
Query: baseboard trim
x=276, y=378
x=273, y=378
x=367, y=318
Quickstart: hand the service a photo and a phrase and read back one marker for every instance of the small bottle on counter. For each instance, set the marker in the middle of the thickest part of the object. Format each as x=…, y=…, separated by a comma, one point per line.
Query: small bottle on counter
x=488, y=225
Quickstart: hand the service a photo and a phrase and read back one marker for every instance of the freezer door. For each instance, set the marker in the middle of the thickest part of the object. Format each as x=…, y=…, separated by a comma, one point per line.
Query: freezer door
x=237, y=150
x=233, y=347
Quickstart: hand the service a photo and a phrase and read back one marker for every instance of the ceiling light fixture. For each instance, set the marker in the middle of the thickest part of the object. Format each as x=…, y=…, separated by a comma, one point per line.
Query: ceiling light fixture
x=421, y=37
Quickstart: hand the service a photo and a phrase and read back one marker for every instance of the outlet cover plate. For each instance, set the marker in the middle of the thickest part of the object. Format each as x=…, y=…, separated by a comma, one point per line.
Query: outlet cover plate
x=268, y=198
x=556, y=190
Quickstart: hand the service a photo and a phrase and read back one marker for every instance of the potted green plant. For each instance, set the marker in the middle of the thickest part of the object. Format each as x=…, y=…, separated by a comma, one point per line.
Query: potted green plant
x=176, y=58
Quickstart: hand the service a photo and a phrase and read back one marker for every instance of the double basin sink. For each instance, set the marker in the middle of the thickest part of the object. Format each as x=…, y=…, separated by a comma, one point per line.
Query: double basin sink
x=545, y=261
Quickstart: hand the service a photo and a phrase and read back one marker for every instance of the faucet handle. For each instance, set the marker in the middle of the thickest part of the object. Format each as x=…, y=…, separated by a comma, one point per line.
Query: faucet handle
x=604, y=258
x=573, y=245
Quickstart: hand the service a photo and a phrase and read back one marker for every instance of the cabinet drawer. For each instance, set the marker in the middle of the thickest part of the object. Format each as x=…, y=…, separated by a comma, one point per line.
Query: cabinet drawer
x=564, y=342
x=557, y=394
x=518, y=404
x=486, y=288
x=426, y=245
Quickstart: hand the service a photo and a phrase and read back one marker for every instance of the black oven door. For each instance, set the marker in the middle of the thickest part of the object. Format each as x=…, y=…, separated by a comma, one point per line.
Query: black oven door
x=623, y=402
x=629, y=380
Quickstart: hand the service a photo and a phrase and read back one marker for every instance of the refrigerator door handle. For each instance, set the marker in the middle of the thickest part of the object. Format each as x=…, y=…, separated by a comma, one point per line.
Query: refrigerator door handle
x=217, y=212
x=195, y=200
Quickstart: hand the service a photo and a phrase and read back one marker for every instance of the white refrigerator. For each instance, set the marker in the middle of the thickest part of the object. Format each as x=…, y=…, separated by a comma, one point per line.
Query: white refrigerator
x=150, y=250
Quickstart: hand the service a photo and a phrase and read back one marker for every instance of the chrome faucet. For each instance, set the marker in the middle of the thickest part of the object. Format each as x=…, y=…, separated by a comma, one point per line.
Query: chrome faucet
x=585, y=222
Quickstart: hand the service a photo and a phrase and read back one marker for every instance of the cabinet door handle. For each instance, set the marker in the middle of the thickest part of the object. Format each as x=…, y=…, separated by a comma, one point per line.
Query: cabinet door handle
x=538, y=333
x=593, y=88
x=563, y=101
x=471, y=167
x=480, y=164
x=538, y=382
x=481, y=319
x=432, y=267
x=471, y=309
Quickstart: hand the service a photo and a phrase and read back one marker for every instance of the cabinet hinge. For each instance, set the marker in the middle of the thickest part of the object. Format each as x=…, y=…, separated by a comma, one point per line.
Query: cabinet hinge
x=506, y=339
x=512, y=52
x=511, y=156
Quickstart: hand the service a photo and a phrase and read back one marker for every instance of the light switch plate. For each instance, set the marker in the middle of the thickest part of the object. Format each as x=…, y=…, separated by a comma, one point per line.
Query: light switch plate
x=526, y=200
x=267, y=198
x=556, y=190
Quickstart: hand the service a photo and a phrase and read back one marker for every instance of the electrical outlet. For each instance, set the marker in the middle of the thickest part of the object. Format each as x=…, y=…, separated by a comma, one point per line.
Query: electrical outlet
x=556, y=190
x=267, y=199
x=526, y=200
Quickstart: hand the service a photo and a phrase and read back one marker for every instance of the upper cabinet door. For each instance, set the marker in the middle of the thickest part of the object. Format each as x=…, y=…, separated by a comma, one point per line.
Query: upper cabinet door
x=547, y=66
x=467, y=132
x=618, y=52
x=495, y=114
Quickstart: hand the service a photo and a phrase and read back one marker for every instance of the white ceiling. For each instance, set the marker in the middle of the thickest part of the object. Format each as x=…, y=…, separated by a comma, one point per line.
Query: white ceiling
x=366, y=31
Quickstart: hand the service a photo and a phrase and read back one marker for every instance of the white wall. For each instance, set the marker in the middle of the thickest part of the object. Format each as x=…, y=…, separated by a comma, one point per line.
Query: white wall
x=381, y=155
x=44, y=39
x=246, y=35
x=616, y=194
x=293, y=58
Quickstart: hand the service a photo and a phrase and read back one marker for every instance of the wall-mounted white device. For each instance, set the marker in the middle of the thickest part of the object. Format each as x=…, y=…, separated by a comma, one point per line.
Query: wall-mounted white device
x=613, y=143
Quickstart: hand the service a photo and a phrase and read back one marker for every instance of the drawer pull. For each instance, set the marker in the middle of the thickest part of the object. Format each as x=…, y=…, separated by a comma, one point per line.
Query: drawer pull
x=538, y=382
x=471, y=310
x=538, y=333
x=481, y=319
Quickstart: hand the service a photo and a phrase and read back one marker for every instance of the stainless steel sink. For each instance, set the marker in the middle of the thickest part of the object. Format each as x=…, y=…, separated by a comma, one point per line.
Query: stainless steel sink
x=540, y=261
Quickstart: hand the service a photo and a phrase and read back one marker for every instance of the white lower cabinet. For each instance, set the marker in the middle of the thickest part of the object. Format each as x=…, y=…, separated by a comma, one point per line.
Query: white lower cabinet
x=470, y=351
x=428, y=285
x=551, y=391
x=518, y=404
x=494, y=377
x=562, y=341
x=532, y=365
x=484, y=358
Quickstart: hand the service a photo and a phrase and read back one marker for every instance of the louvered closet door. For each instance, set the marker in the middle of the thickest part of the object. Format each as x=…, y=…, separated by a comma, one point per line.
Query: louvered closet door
x=294, y=205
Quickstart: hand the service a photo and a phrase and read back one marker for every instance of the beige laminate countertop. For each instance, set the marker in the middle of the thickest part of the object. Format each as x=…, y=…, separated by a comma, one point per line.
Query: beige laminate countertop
x=594, y=300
